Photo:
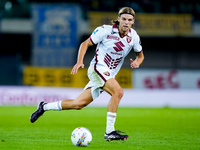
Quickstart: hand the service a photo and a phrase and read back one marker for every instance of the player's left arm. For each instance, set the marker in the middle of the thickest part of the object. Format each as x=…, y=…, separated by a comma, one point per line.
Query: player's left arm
x=138, y=61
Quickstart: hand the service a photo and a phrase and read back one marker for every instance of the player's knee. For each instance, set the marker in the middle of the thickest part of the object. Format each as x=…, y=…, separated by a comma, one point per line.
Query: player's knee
x=119, y=93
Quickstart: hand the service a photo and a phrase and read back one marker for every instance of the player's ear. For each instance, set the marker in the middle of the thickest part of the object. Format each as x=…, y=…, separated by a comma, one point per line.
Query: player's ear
x=133, y=22
x=118, y=18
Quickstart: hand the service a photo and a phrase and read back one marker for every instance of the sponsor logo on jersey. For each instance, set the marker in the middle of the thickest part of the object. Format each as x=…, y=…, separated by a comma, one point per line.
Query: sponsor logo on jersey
x=128, y=39
x=94, y=32
x=119, y=46
x=107, y=73
x=115, y=53
x=113, y=37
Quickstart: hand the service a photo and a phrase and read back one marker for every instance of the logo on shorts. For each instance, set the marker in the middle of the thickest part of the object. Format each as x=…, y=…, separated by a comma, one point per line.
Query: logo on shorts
x=107, y=73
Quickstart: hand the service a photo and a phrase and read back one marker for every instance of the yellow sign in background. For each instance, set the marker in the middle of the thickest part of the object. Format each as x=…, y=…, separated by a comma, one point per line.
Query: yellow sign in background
x=163, y=24
x=61, y=77
x=100, y=18
x=149, y=24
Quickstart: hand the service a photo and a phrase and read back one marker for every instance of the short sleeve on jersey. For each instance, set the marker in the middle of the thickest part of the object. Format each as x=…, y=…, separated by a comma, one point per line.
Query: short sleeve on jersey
x=97, y=35
x=137, y=44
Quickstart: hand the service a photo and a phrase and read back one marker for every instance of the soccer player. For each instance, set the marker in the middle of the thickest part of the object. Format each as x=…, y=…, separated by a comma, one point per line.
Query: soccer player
x=114, y=42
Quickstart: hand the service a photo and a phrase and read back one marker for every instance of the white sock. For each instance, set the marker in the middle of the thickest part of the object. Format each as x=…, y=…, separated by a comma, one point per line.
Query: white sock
x=53, y=106
x=111, y=117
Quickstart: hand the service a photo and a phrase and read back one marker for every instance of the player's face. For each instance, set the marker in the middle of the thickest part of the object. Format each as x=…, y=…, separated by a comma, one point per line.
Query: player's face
x=125, y=22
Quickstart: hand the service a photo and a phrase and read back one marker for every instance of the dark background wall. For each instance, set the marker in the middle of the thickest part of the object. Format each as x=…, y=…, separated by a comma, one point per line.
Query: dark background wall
x=160, y=52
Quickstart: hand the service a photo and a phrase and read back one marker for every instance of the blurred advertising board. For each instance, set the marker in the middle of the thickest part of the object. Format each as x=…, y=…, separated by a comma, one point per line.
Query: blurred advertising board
x=32, y=95
x=166, y=79
x=164, y=24
x=55, y=30
x=127, y=78
x=149, y=24
x=61, y=77
x=99, y=18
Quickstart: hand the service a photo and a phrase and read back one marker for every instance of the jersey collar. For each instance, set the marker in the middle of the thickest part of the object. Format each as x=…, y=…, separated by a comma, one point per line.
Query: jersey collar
x=115, y=29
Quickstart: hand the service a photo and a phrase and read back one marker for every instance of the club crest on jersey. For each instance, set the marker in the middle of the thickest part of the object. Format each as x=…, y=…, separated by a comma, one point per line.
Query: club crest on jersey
x=107, y=73
x=128, y=39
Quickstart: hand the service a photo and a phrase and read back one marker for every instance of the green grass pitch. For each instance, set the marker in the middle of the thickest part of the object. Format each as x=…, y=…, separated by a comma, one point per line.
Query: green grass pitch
x=148, y=129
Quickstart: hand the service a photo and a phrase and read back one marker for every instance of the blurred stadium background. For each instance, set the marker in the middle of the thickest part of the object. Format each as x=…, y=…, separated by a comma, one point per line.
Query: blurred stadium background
x=39, y=41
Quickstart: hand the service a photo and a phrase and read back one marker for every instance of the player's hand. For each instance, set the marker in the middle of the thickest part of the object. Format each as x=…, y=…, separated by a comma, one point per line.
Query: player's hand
x=76, y=67
x=134, y=63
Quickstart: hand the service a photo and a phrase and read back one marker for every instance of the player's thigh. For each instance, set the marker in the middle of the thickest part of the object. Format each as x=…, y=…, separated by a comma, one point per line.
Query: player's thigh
x=112, y=87
x=85, y=97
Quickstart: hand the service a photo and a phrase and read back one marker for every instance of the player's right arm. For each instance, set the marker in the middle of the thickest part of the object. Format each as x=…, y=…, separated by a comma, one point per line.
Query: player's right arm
x=96, y=37
x=82, y=51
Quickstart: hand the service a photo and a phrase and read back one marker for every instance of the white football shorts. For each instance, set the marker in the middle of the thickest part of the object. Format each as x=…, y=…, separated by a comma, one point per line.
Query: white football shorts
x=97, y=77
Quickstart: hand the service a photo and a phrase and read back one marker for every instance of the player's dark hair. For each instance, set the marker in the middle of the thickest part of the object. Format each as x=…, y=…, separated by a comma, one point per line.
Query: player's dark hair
x=124, y=10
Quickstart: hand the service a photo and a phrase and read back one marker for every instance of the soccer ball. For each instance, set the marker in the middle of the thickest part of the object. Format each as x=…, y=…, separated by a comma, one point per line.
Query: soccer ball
x=81, y=136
